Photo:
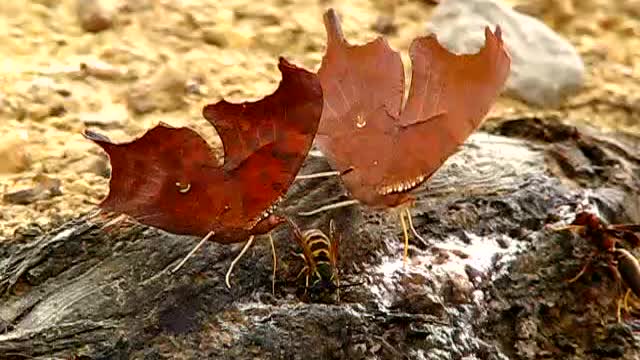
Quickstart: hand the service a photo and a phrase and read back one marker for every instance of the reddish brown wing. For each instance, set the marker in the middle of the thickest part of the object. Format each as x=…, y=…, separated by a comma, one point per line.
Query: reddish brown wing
x=245, y=127
x=363, y=89
x=449, y=96
x=169, y=178
x=362, y=127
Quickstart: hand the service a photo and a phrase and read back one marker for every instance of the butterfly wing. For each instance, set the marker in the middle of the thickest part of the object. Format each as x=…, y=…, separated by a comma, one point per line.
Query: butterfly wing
x=362, y=128
x=363, y=90
x=449, y=96
x=165, y=179
x=169, y=178
x=290, y=118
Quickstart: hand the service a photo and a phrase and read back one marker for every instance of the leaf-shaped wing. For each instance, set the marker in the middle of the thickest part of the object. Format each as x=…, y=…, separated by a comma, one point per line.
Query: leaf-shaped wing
x=362, y=128
x=268, y=172
x=449, y=96
x=169, y=178
x=363, y=89
x=245, y=127
x=165, y=179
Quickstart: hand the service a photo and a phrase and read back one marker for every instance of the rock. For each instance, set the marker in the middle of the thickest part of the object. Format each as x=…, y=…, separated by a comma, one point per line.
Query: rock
x=94, y=15
x=45, y=188
x=164, y=91
x=102, y=70
x=545, y=67
x=43, y=98
x=94, y=164
x=14, y=157
x=385, y=25
x=109, y=116
x=65, y=285
x=215, y=36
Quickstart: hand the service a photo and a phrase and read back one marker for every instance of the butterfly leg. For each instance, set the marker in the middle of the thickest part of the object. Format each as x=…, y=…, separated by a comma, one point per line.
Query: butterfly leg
x=235, y=261
x=406, y=238
x=275, y=265
x=413, y=230
x=193, y=251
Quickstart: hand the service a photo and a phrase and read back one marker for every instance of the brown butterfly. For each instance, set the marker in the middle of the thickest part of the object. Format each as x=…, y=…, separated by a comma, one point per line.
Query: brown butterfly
x=169, y=178
x=384, y=150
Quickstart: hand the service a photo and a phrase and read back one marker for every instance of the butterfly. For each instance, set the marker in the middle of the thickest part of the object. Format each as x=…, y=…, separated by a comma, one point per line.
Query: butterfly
x=383, y=149
x=169, y=178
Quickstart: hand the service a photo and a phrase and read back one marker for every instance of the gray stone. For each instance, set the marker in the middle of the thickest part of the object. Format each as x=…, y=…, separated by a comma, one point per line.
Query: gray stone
x=545, y=67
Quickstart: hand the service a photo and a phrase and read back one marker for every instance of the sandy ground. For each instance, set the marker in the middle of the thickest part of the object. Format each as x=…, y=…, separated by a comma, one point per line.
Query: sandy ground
x=162, y=60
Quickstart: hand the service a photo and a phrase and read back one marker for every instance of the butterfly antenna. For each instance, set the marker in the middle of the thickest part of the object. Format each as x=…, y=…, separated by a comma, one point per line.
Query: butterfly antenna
x=233, y=263
x=337, y=205
x=193, y=251
x=406, y=239
x=318, y=175
x=413, y=230
x=275, y=265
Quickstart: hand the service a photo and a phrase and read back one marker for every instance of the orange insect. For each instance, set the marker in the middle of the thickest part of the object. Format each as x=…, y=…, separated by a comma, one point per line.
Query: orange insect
x=606, y=238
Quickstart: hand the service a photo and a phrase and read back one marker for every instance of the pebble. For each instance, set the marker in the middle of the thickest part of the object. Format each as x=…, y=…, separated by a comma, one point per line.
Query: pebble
x=545, y=68
x=14, y=157
x=94, y=164
x=385, y=25
x=45, y=188
x=112, y=115
x=164, y=91
x=102, y=70
x=42, y=98
x=80, y=186
x=215, y=35
x=94, y=15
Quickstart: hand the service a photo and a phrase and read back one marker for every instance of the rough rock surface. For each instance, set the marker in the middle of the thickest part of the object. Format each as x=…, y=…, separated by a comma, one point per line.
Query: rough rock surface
x=545, y=67
x=487, y=283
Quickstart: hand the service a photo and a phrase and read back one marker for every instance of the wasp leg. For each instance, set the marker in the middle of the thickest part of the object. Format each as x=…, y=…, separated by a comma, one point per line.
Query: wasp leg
x=619, y=310
x=582, y=271
x=626, y=301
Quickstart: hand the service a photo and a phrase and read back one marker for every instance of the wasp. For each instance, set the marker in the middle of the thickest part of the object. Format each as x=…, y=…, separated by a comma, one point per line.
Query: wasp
x=320, y=253
x=610, y=242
